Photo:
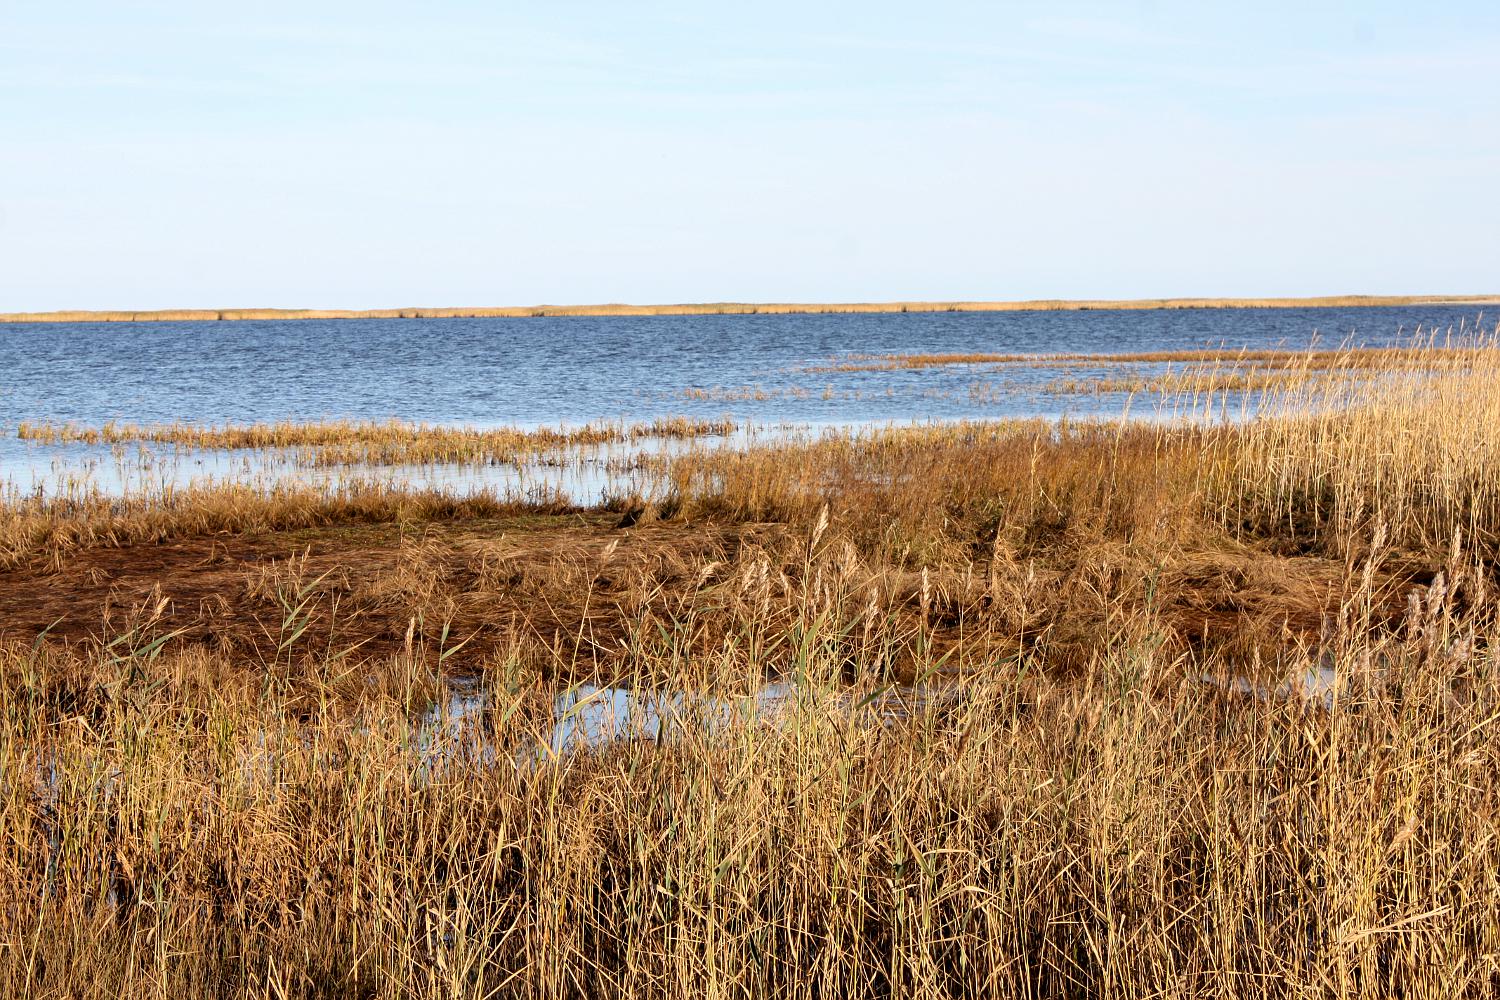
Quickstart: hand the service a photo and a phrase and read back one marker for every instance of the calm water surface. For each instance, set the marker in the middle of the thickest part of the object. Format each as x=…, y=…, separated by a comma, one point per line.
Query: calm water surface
x=532, y=371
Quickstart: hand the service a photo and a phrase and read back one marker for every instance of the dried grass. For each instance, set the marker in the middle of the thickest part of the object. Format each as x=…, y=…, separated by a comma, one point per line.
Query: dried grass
x=1126, y=787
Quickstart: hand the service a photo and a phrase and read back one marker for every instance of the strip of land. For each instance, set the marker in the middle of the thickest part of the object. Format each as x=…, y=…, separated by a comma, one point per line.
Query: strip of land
x=734, y=309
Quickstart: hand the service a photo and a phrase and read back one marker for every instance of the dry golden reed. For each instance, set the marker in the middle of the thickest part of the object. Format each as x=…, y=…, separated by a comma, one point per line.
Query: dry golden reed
x=1191, y=708
x=1421, y=353
x=391, y=442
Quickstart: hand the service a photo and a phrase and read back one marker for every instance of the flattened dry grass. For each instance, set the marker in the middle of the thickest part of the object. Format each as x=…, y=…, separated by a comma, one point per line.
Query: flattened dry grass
x=50, y=529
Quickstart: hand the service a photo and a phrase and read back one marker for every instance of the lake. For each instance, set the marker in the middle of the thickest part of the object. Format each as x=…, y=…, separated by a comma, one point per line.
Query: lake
x=756, y=368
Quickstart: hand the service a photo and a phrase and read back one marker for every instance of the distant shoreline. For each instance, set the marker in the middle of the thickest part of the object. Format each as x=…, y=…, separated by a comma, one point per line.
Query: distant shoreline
x=733, y=309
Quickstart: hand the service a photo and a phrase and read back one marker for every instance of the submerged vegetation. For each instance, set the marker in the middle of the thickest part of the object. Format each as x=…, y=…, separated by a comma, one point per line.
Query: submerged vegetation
x=1207, y=708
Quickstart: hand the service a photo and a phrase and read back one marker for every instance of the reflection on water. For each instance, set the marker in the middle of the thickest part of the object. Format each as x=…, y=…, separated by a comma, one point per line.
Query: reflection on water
x=1317, y=684
x=586, y=473
x=589, y=716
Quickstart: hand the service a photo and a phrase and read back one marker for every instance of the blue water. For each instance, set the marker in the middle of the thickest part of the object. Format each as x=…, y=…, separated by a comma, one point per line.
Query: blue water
x=545, y=370
x=528, y=371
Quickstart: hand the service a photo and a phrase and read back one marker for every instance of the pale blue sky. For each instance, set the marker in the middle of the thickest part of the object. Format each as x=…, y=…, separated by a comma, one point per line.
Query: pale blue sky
x=364, y=154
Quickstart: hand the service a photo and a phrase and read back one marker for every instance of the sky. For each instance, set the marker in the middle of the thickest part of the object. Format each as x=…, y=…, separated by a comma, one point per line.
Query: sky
x=372, y=154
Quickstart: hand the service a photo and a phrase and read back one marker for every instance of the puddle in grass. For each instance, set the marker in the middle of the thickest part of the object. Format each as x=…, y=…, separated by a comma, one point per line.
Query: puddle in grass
x=591, y=716
x=1316, y=684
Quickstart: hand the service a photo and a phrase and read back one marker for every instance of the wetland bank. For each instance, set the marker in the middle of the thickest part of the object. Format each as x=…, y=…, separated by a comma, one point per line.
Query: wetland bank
x=1036, y=721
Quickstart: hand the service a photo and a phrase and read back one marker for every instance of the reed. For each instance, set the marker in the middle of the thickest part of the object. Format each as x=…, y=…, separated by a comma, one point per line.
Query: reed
x=180, y=821
x=392, y=442
x=1420, y=351
x=1179, y=707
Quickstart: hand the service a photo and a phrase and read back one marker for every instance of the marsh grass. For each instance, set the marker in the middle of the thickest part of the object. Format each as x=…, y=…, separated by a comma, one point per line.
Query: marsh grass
x=339, y=443
x=193, y=826
x=1419, y=350
x=1130, y=792
x=50, y=528
x=1173, y=383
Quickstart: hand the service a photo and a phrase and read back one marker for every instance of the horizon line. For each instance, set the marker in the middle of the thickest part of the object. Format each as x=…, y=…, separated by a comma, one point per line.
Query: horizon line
x=732, y=308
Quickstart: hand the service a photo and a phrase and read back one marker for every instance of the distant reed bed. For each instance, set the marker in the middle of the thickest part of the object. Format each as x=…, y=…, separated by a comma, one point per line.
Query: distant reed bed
x=1421, y=350
x=732, y=308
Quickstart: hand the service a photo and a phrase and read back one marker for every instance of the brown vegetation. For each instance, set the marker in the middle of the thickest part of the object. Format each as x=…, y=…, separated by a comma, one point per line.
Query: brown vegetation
x=1218, y=718
x=1420, y=354
x=339, y=442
